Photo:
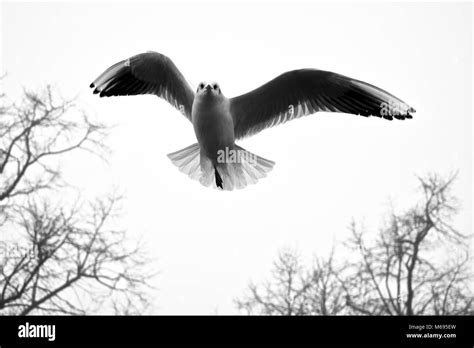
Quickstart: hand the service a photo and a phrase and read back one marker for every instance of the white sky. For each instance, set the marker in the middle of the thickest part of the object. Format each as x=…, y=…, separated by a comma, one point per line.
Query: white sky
x=330, y=167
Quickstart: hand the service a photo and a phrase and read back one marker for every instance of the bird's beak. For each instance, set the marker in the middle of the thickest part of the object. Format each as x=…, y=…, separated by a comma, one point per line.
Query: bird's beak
x=208, y=88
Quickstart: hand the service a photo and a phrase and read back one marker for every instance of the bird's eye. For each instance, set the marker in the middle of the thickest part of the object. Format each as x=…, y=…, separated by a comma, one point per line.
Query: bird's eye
x=201, y=85
x=215, y=86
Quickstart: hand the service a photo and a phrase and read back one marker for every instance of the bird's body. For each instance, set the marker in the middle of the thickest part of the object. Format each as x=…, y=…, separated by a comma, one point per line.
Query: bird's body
x=218, y=121
x=213, y=124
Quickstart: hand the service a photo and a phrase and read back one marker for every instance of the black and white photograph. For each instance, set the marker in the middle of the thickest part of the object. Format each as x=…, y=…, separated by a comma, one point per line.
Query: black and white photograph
x=190, y=171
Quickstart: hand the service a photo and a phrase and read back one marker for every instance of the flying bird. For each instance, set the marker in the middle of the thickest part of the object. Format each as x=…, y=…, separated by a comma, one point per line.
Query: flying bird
x=219, y=121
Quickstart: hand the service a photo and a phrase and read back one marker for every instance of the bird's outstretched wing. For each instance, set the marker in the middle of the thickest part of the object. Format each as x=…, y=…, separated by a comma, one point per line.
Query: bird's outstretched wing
x=302, y=92
x=147, y=73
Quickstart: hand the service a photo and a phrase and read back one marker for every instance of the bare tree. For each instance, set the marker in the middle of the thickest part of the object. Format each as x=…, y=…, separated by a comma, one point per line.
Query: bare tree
x=59, y=258
x=417, y=265
x=295, y=290
x=33, y=132
x=71, y=263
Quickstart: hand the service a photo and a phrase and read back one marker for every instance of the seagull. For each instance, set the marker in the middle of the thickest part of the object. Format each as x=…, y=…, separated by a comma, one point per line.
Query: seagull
x=216, y=160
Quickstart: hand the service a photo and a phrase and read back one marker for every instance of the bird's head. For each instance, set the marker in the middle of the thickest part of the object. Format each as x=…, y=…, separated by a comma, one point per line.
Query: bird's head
x=208, y=89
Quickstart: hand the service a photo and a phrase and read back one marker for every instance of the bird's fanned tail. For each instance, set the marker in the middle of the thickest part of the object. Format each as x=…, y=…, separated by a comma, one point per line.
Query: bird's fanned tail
x=228, y=173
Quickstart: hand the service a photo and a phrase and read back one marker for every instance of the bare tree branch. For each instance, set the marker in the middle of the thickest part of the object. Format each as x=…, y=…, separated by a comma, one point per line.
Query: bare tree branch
x=405, y=257
x=36, y=130
x=295, y=291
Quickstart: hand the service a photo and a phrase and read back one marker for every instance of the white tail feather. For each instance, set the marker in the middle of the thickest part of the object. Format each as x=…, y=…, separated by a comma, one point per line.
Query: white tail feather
x=247, y=170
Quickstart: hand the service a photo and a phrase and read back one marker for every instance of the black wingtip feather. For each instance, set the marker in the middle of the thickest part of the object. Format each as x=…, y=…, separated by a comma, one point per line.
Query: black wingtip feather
x=92, y=85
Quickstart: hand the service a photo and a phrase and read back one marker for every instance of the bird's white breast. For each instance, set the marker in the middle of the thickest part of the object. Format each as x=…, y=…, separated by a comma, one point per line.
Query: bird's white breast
x=213, y=124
